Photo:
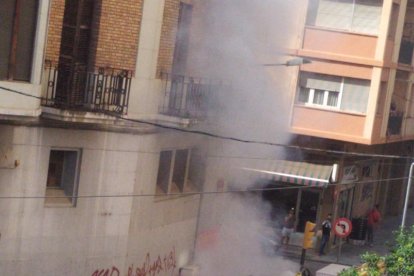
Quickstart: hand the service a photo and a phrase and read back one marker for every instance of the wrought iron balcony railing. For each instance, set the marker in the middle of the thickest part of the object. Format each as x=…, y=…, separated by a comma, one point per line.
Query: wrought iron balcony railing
x=75, y=87
x=184, y=97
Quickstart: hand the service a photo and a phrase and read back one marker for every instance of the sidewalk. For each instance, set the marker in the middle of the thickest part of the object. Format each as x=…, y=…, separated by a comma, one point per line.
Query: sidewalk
x=350, y=254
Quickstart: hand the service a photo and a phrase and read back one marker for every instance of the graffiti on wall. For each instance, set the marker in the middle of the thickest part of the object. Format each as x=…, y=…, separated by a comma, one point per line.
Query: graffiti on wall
x=164, y=264
x=154, y=267
x=114, y=271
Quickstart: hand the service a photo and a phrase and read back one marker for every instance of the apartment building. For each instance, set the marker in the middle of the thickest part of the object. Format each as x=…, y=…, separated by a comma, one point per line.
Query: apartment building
x=352, y=102
x=92, y=173
x=356, y=96
x=90, y=183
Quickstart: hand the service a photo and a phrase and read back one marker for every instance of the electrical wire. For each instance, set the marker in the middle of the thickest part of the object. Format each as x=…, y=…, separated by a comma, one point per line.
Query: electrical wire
x=20, y=93
x=223, y=137
x=235, y=139
x=249, y=190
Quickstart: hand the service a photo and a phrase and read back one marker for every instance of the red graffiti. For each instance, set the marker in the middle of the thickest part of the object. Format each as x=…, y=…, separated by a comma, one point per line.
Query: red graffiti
x=152, y=268
x=107, y=272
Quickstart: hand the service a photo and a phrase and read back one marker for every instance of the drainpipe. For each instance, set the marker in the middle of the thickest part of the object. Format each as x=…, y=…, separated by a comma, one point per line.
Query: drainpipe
x=407, y=195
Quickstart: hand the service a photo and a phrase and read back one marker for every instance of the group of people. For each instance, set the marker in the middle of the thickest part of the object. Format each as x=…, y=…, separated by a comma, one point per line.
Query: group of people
x=373, y=219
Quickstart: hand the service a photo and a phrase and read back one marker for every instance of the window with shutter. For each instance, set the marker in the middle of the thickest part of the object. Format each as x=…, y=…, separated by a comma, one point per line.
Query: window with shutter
x=333, y=92
x=361, y=16
x=17, y=31
x=74, y=51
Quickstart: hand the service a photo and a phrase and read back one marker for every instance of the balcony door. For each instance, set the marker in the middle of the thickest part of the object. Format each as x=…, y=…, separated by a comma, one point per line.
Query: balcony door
x=74, y=52
x=177, y=99
x=17, y=33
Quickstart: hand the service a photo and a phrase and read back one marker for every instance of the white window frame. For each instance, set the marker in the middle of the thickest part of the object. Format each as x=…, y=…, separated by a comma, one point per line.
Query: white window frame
x=169, y=192
x=351, y=27
x=55, y=196
x=311, y=97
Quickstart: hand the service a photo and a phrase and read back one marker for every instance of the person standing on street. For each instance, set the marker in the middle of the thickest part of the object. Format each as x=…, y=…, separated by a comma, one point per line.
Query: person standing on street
x=374, y=217
x=326, y=233
x=288, y=227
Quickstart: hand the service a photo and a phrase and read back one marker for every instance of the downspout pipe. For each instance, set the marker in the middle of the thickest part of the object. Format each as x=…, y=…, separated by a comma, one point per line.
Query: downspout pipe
x=407, y=196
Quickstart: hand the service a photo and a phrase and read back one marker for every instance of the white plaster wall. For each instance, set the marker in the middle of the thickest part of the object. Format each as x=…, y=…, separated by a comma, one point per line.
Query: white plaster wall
x=160, y=226
x=99, y=234
x=145, y=88
x=39, y=240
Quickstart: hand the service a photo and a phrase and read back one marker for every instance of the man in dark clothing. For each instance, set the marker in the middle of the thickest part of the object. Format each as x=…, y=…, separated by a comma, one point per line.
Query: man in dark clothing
x=326, y=233
x=374, y=217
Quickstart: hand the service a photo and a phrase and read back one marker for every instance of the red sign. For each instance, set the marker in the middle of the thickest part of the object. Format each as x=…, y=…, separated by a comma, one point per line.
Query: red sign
x=342, y=227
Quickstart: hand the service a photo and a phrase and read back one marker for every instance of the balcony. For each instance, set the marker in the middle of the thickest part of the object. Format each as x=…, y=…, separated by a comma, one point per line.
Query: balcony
x=76, y=88
x=184, y=97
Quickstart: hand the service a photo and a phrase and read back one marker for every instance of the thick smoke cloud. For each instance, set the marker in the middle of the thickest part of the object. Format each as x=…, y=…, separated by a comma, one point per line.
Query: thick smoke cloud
x=231, y=42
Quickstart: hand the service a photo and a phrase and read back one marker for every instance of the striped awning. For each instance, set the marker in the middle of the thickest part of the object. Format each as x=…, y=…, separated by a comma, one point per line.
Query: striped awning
x=301, y=173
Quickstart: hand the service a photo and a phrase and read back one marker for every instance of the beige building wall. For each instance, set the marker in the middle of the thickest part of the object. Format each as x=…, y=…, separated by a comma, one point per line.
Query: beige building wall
x=118, y=222
x=372, y=57
x=131, y=228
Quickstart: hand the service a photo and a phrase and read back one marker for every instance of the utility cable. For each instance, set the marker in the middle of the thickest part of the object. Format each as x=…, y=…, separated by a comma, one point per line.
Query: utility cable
x=20, y=93
x=223, y=137
x=230, y=138
x=249, y=190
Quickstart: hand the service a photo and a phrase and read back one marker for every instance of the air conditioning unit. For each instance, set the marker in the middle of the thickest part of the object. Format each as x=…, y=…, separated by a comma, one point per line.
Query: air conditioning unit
x=189, y=270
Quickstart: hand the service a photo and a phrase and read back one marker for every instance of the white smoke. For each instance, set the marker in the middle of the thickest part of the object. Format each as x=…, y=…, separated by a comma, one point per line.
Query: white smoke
x=234, y=38
x=245, y=242
x=231, y=41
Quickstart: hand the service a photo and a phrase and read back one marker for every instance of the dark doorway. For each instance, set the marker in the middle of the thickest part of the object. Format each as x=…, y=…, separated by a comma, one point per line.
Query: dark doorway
x=308, y=208
x=281, y=198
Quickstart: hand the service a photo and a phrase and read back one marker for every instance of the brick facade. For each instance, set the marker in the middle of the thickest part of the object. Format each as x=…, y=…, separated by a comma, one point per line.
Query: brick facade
x=168, y=35
x=54, y=30
x=114, y=37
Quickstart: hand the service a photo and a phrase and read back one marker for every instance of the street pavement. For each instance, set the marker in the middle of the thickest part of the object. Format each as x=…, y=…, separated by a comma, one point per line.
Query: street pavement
x=350, y=253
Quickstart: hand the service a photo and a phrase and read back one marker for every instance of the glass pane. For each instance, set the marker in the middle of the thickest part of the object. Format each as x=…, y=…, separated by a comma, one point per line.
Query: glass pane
x=180, y=166
x=303, y=95
x=367, y=15
x=6, y=26
x=196, y=171
x=355, y=95
x=54, y=175
x=69, y=173
x=333, y=98
x=336, y=14
x=25, y=39
x=318, y=97
x=164, y=166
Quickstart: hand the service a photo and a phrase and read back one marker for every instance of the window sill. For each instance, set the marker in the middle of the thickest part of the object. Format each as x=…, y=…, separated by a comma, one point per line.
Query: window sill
x=327, y=109
x=165, y=197
x=345, y=31
x=56, y=198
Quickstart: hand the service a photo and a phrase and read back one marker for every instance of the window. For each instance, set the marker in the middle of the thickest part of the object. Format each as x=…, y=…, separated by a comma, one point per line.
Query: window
x=74, y=51
x=63, y=177
x=333, y=92
x=362, y=16
x=180, y=171
x=17, y=30
x=318, y=90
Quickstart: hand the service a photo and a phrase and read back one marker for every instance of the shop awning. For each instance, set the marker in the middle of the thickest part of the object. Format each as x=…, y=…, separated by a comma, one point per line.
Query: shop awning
x=300, y=173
